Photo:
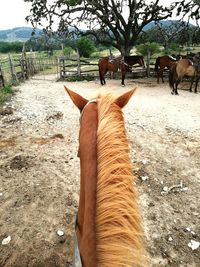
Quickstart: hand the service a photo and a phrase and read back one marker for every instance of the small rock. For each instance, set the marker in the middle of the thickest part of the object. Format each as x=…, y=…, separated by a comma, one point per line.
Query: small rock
x=193, y=244
x=60, y=233
x=165, y=188
x=144, y=178
x=170, y=239
x=145, y=161
x=6, y=240
x=62, y=236
x=184, y=189
x=6, y=111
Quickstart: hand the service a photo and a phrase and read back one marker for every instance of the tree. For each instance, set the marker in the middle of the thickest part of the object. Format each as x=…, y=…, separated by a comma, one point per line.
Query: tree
x=148, y=49
x=6, y=47
x=112, y=22
x=190, y=8
x=85, y=46
x=169, y=32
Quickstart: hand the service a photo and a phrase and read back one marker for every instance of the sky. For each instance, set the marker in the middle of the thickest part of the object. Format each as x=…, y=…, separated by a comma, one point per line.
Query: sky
x=13, y=13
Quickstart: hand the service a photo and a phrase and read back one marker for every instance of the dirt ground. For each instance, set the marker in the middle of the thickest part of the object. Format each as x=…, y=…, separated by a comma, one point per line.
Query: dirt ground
x=39, y=171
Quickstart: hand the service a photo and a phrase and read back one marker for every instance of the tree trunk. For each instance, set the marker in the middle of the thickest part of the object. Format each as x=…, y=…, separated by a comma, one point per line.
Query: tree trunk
x=125, y=51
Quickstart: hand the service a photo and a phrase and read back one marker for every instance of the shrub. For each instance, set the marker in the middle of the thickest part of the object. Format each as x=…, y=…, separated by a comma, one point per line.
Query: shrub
x=80, y=78
x=5, y=94
x=151, y=48
x=68, y=51
x=85, y=47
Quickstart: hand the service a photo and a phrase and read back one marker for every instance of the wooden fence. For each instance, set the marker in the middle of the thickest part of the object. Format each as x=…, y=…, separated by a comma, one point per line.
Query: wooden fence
x=14, y=70
x=70, y=67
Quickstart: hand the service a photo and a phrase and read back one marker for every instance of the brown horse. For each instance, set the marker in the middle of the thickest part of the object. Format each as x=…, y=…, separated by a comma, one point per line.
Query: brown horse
x=137, y=59
x=114, y=65
x=162, y=63
x=182, y=68
x=109, y=228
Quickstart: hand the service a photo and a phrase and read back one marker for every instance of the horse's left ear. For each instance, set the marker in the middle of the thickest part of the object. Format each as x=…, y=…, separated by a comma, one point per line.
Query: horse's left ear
x=77, y=99
x=122, y=100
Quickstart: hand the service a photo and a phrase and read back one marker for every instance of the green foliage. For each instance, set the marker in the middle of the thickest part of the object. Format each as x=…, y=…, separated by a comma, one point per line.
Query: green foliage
x=74, y=2
x=174, y=49
x=148, y=48
x=68, y=51
x=85, y=46
x=80, y=78
x=5, y=94
x=6, y=47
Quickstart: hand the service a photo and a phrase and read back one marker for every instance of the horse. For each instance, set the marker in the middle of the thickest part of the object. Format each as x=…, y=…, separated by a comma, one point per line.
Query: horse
x=123, y=63
x=137, y=59
x=106, y=64
x=108, y=230
x=184, y=67
x=162, y=63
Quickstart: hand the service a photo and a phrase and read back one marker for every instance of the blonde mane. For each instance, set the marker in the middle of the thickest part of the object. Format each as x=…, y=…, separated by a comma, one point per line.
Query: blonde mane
x=118, y=222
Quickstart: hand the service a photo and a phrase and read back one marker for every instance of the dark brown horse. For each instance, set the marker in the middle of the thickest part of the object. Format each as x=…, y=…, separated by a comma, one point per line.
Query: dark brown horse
x=137, y=59
x=162, y=63
x=182, y=68
x=109, y=231
x=123, y=64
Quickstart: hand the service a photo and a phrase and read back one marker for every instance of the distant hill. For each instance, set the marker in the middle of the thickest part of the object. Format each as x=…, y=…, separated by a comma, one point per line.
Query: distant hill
x=20, y=34
x=165, y=23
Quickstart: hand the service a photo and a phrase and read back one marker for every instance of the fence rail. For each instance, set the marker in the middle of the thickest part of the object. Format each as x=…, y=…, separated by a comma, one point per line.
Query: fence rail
x=14, y=70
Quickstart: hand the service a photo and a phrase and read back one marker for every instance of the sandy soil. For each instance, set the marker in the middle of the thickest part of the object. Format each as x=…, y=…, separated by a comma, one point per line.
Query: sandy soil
x=39, y=171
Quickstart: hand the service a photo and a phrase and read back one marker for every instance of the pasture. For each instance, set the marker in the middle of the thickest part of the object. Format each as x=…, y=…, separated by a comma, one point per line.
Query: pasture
x=39, y=170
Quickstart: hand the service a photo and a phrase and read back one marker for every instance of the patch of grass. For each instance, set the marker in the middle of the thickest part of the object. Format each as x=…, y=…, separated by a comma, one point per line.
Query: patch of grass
x=5, y=94
x=80, y=78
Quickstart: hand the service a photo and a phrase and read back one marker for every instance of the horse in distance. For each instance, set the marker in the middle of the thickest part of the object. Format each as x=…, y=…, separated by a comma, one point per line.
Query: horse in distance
x=136, y=59
x=183, y=68
x=123, y=64
x=162, y=63
x=106, y=64
x=109, y=230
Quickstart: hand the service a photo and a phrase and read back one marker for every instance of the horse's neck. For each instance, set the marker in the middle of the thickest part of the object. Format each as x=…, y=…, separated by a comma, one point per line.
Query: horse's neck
x=118, y=232
x=87, y=203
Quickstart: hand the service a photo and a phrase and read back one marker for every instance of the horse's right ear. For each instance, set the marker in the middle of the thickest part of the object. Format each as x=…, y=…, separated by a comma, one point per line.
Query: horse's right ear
x=122, y=100
x=78, y=100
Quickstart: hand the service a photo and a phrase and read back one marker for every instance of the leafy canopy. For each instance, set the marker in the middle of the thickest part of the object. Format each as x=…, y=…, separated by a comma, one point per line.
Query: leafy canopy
x=117, y=23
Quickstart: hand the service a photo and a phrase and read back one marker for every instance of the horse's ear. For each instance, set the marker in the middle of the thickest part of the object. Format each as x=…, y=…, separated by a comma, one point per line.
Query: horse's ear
x=78, y=100
x=122, y=100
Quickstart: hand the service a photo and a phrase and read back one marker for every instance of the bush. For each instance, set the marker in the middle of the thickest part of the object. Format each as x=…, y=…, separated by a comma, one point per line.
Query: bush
x=85, y=47
x=6, y=47
x=80, y=78
x=5, y=94
x=151, y=48
x=68, y=51
x=174, y=49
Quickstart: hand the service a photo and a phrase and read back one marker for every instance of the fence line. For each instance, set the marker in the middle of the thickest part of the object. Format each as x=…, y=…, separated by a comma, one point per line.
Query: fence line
x=14, y=70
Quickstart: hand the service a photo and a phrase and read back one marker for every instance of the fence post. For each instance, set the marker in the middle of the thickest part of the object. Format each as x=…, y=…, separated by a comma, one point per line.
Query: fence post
x=1, y=75
x=12, y=69
x=148, y=62
x=78, y=63
x=24, y=65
